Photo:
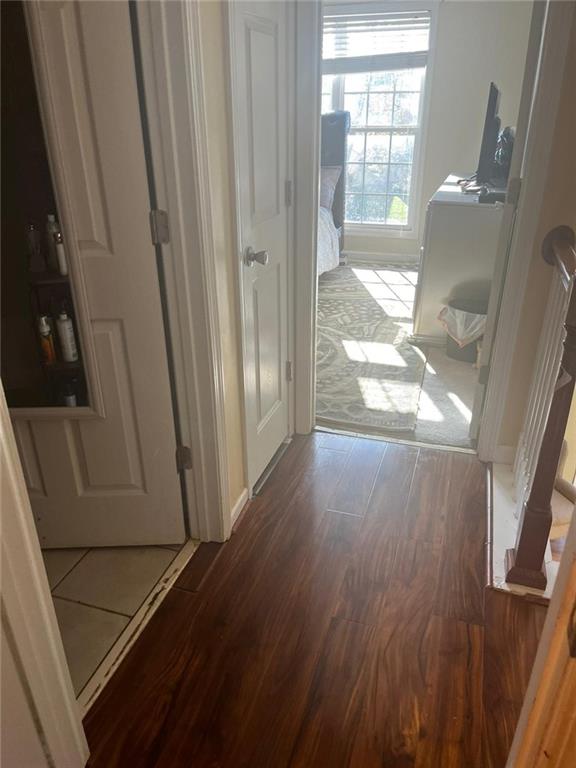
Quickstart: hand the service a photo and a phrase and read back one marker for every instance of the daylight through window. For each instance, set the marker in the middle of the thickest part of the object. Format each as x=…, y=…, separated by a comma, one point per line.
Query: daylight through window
x=374, y=67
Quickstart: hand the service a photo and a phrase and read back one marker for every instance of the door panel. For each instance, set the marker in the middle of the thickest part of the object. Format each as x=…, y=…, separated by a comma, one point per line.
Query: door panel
x=110, y=479
x=260, y=32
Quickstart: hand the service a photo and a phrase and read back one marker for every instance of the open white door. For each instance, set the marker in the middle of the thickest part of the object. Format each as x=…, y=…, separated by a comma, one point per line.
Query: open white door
x=105, y=476
x=260, y=33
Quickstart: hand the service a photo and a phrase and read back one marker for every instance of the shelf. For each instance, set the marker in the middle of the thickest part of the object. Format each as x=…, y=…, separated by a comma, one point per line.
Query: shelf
x=59, y=366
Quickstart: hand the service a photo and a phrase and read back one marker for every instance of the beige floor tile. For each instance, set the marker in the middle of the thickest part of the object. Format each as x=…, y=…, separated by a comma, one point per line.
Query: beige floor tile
x=117, y=579
x=59, y=562
x=87, y=635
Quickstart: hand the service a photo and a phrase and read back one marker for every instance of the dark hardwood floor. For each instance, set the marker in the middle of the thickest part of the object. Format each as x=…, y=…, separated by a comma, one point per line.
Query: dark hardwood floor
x=345, y=623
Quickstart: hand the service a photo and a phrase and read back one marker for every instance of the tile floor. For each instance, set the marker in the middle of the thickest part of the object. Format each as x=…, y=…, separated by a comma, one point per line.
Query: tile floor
x=96, y=592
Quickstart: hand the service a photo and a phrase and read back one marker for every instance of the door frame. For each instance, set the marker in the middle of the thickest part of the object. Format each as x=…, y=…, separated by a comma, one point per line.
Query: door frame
x=234, y=123
x=173, y=89
x=554, y=42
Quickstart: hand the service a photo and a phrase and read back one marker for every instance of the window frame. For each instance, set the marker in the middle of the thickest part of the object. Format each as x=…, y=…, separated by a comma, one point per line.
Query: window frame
x=411, y=229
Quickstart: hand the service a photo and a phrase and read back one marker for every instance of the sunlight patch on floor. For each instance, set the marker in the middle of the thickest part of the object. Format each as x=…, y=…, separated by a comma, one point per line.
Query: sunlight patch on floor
x=386, y=395
x=373, y=352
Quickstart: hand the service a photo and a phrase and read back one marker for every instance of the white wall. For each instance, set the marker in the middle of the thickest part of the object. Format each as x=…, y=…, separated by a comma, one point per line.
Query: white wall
x=476, y=42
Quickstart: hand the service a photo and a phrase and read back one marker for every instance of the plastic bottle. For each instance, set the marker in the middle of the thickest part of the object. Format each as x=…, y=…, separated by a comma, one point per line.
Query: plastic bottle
x=51, y=229
x=67, y=338
x=69, y=395
x=60, y=253
x=46, y=340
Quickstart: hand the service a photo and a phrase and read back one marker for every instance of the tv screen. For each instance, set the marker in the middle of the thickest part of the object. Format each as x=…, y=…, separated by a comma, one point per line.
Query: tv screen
x=485, y=172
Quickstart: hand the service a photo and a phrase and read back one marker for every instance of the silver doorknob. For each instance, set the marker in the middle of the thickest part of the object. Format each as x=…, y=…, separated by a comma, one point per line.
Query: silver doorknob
x=250, y=256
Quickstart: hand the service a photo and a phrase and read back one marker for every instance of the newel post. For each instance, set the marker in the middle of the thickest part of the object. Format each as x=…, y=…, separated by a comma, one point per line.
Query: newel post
x=525, y=563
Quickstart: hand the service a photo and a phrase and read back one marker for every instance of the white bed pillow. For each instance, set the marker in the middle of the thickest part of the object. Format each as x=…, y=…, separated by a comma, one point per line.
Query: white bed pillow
x=329, y=175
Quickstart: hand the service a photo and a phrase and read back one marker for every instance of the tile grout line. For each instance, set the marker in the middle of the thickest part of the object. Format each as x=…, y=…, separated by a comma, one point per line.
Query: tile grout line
x=68, y=572
x=95, y=607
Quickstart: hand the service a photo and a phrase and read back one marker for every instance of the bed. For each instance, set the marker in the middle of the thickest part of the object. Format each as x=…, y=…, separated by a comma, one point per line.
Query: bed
x=335, y=127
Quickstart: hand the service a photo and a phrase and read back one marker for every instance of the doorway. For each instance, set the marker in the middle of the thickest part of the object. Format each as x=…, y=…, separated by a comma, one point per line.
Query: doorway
x=414, y=221
x=81, y=321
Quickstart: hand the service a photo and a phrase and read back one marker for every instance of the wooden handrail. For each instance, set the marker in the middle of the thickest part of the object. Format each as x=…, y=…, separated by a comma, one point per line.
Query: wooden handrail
x=525, y=563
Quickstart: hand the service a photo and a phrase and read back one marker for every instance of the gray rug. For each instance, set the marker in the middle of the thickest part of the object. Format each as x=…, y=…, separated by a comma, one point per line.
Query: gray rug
x=367, y=373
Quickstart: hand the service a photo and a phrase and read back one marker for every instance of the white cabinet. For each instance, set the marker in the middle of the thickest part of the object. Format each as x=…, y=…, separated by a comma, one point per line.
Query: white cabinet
x=458, y=255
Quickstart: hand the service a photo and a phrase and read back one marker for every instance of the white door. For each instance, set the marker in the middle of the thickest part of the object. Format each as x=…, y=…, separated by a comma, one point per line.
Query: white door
x=109, y=477
x=260, y=33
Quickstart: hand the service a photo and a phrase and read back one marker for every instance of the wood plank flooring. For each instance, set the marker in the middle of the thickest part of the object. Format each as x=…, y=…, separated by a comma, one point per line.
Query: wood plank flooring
x=345, y=623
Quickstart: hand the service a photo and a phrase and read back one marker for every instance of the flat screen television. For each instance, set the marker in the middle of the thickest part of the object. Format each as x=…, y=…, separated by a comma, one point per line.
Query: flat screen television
x=486, y=166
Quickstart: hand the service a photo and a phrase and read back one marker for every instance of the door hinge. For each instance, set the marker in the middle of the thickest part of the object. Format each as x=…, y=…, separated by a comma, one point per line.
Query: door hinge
x=513, y=194
x=183, y=458
x=288, y=370
x=159, y=227
x=288, y=192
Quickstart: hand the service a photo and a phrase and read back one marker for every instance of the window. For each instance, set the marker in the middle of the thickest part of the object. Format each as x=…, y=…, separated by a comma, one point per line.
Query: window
x=374, y=66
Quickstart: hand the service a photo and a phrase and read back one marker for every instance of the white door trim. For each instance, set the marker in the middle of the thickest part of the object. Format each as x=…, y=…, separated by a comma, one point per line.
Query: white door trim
x=555, y=40
x=29, y=619
x=174, y=92
x=292, y=247
x=308, y=80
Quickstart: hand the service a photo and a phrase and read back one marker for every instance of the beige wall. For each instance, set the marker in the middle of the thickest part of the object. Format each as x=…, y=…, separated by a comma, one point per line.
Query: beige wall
x=558, y=207
x=214, y=63
x=476, y=42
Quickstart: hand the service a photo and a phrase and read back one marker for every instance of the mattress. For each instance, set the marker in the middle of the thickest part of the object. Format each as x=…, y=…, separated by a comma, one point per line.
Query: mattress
x=328, y=242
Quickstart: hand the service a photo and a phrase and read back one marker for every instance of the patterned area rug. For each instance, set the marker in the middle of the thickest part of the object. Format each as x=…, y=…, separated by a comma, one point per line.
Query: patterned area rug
x=367, y=372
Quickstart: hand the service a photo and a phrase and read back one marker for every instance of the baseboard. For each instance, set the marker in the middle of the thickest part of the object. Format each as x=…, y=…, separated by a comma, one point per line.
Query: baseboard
x=504, y=454
x=396, y=259
x=239, y=505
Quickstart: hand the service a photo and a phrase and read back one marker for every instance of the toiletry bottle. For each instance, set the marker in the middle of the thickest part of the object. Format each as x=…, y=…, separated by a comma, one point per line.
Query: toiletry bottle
x=46, y=340
x=36, y=261
x=60, y=254
x=69, y=395
x=51, y=229
x=67, y=337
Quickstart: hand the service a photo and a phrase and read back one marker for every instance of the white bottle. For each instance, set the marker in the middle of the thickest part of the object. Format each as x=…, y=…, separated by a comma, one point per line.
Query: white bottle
x=51, y=229
x=61, y=254
x=67, y=338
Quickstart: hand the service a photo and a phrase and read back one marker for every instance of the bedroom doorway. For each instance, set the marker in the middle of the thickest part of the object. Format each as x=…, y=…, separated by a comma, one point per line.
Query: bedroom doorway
x=406, y=254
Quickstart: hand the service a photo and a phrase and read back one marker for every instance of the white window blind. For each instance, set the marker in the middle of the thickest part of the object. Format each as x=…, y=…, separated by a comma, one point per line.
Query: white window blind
x=372, y=41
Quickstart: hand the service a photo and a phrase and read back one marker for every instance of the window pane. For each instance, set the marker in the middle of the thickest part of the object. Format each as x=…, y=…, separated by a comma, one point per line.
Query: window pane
x=355, y=103
x=397, y=212
x=402, y=148
x=406, y=108
x=375, y=209
x=376, y=178
x=378, y=147
x=355, y=148
x=353, y=208
x=356, y=83
x=354, y=177
x=399, y=181
x=382, y=81
x=380, y=109
x=409, y=79
x=326, y=103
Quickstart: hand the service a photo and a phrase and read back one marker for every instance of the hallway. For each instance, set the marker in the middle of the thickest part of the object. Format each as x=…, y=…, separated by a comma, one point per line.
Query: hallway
x=344, y=624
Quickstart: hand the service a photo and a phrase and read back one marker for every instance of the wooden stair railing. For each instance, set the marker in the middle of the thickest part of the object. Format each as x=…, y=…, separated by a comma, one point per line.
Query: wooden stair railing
x=525, y=563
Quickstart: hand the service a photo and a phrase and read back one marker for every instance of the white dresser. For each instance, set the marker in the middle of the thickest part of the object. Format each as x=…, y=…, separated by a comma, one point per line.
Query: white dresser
x=457, y=258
